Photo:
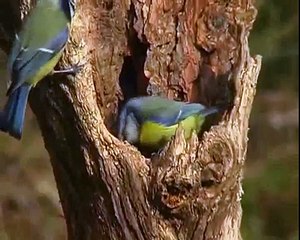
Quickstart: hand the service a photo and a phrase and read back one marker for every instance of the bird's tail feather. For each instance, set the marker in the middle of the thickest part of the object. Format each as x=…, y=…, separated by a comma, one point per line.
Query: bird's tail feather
x=12, y=118
x=210, y=110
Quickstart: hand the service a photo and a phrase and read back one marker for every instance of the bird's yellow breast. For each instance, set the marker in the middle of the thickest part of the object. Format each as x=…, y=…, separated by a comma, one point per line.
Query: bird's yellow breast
x=45, y=69
x=155, y=135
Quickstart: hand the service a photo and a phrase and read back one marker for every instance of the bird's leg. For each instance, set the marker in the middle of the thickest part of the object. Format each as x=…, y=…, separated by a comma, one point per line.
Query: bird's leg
x=74, y=69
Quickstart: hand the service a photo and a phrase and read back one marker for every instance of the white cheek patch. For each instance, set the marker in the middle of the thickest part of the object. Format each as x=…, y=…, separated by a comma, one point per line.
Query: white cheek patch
x=131, y=131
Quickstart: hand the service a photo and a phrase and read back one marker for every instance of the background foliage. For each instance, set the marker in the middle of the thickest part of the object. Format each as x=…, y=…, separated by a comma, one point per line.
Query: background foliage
x=29, y=204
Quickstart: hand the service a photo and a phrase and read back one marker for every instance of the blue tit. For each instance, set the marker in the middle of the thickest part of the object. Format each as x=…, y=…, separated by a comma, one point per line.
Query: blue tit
x=35, y=52
x=150, y=122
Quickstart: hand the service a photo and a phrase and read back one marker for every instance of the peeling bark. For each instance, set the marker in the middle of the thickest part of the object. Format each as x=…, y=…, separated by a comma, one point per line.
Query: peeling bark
x=195, y=50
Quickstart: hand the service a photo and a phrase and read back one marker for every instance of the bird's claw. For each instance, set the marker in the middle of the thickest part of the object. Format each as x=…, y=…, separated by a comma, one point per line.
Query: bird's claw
x=74, y=69
x=77, y=67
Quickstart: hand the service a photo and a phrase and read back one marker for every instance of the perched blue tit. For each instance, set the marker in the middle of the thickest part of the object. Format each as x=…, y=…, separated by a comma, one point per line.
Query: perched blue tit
x=150, y=122
x=34, y=54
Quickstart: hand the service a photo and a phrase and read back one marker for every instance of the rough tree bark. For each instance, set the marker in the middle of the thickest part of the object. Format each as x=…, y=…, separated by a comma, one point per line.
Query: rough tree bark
x=184, y=49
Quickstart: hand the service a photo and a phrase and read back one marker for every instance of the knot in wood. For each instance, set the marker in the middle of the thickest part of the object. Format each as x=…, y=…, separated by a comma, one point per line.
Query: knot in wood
x=174, y=195
x=216, y=156
x=211, y=28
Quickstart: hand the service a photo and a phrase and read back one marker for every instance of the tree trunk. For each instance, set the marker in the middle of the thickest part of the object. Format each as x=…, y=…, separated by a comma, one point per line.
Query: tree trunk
x=187, y=50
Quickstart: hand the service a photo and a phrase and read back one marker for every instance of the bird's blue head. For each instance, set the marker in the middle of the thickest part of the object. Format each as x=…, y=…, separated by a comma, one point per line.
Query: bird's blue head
x=129, y=123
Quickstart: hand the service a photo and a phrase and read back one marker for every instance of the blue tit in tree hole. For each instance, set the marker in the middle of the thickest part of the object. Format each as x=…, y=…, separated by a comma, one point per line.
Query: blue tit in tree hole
x=150, y=122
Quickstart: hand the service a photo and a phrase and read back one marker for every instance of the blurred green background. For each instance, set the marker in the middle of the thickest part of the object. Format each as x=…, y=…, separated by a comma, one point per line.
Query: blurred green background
x=29, y=204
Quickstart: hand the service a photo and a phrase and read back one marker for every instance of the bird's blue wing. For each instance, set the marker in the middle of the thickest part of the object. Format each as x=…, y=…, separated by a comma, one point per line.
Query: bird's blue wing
x=173, y=114
x=189, y=109
x=16, y=48
x=28, y=61
x=161, y=110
